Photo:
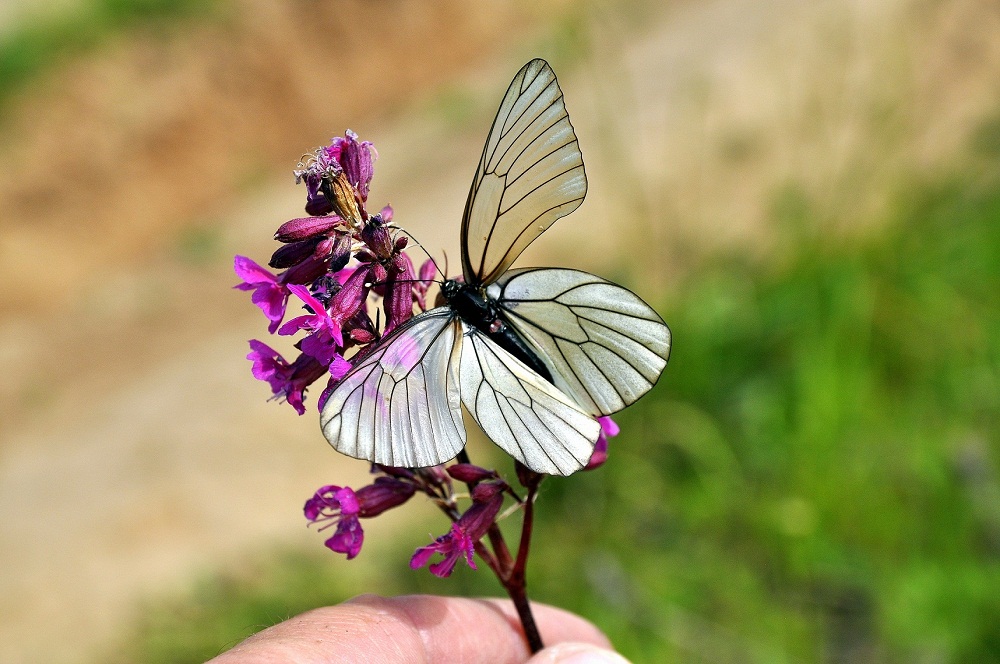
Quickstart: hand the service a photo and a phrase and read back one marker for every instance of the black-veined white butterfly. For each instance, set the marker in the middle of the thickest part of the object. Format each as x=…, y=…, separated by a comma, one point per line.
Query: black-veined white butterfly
x=535, y=354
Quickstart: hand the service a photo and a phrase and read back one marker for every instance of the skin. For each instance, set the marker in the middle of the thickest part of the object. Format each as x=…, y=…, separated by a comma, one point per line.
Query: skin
x=421, y=628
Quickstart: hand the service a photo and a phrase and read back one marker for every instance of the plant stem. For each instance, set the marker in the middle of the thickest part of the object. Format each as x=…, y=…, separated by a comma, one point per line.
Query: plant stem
x=517, y=582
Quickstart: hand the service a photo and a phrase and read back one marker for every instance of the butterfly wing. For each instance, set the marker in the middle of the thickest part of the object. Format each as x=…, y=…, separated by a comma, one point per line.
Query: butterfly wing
x=522, y=412
x=530, y=174
x=602, y=344
x=401, y=404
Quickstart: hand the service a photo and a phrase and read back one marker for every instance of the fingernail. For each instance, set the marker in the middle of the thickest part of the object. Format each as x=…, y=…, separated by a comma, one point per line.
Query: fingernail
x=580, y=653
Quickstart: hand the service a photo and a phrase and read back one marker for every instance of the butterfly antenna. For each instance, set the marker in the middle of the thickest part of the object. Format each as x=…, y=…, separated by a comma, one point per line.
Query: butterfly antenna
x=417, y=242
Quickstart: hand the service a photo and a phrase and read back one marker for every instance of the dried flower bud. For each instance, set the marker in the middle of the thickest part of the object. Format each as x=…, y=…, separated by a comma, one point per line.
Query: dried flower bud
x=340, y=192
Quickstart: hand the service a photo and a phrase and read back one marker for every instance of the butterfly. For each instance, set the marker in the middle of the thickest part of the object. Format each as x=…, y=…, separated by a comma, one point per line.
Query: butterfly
x=535, y=355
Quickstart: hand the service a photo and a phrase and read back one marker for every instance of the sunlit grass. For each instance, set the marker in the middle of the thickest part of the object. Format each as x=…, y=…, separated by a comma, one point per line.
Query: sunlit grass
x=816, y=478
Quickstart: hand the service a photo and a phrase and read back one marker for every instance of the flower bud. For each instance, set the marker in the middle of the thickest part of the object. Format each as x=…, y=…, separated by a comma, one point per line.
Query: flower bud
x=318, y=205
x=469, y=473
x=376, y=237
x=305, y=272
x=305, y=227
x=292, y=254
x=485, y=491
x=384, y=494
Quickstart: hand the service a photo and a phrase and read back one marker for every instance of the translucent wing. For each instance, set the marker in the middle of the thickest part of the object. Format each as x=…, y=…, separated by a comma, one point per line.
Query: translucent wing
x=521, y=412
x=602, y=344
x=401, y=405
x=531, y=173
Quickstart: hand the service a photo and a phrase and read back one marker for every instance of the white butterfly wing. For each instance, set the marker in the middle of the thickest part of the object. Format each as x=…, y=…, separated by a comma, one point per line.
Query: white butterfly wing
x=530, y=174
x=401, y=404
x=602, y=344
x=522, y=412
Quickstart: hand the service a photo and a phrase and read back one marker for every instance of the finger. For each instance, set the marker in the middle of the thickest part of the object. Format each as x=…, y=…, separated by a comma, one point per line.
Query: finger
x=417, y=628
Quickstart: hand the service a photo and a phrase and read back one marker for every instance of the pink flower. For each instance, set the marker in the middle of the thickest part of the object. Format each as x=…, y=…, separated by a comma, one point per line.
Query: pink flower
x=325, y=333
x=343, y=506
x=355, y=158
x=288, y=381
x=339, y=506
x=608, y=430
x=269, y=293
x=345, y=155
x=461, y=540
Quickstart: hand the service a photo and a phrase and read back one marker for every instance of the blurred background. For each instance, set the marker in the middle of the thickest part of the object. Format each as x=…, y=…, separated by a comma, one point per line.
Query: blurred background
x=809, y=193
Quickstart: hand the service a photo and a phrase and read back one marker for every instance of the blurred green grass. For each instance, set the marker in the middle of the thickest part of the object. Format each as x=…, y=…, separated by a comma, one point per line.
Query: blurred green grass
x=814, y=480
x=36, y=46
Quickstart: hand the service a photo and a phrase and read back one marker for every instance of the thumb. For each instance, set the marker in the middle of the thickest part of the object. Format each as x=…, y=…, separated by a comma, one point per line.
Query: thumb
x=576, y=653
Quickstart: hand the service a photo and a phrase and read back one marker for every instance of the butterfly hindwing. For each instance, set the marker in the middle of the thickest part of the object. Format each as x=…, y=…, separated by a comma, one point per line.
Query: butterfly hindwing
x=530, y=174
x=602, y=344
x=400, y=405
x=521, y=412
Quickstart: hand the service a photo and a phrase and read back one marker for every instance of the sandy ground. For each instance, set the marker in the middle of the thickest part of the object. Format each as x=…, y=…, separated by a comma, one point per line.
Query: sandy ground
x=136, y=451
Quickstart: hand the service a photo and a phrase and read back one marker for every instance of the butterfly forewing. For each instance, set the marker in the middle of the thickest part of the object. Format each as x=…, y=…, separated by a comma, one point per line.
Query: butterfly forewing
x=603, y=345
x=400, y=405
x=530, y=174
x=522, y=413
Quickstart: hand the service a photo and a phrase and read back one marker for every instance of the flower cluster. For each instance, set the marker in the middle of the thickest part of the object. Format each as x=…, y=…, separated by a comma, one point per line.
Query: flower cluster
x=341, y=264
x=314, y=258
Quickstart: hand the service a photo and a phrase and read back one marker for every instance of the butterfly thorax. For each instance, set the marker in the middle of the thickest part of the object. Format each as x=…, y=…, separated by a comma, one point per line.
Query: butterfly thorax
x=478, y=310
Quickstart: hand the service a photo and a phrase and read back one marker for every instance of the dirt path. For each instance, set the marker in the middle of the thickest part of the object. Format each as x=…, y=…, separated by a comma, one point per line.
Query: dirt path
x=154, y=455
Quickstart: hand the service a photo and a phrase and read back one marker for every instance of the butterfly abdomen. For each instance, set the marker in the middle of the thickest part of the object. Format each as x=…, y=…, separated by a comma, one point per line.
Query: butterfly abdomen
x=483, y=314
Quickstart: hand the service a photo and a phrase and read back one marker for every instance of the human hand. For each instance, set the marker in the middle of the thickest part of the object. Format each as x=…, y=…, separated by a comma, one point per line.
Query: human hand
x=423, y=629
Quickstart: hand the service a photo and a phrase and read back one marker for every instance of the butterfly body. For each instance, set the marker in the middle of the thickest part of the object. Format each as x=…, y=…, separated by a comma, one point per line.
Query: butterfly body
x=482, y=313
x=534, y=355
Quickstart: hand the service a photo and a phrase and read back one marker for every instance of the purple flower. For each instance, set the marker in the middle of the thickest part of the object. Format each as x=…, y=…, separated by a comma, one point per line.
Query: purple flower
x=345, y=163
x=325, y=333
x=608, y=430
x=355, y=158
x=269, y=293
x=287, y=381
x=343, y=506
x=461, y=540
x=338, y=505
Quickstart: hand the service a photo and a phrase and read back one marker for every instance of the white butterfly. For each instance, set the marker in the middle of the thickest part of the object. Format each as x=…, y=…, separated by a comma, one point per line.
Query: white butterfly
x=534, y=354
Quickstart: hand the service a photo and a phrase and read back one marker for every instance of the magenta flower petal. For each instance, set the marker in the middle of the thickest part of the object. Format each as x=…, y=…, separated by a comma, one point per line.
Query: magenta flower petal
x=340, y=506
x=288, y=381
x=461, y=540
x=348, y=538
x=609, y=429
x=326, y=332
x=269, y=294
x=453, y=546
